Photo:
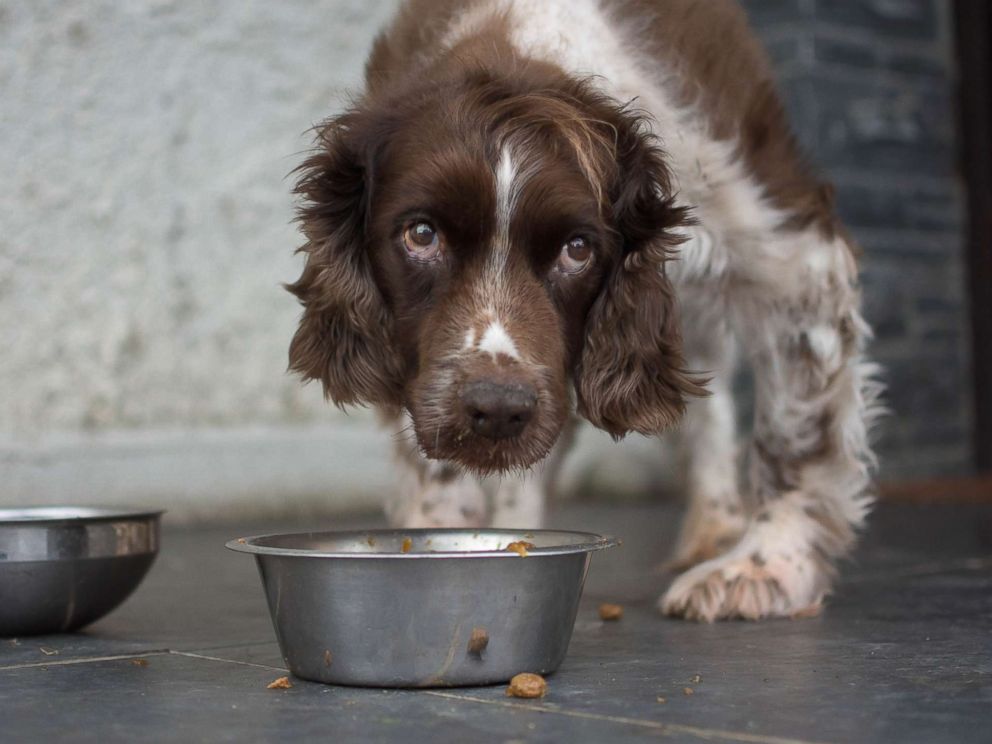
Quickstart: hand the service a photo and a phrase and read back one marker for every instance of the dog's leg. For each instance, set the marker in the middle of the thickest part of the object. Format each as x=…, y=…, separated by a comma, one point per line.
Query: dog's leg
x=714, y=520
x=795, y=302
x=432, y=493
x=519, y=501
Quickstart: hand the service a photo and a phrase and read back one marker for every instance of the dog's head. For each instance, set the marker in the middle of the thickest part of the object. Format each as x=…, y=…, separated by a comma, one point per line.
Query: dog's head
x=478, y=247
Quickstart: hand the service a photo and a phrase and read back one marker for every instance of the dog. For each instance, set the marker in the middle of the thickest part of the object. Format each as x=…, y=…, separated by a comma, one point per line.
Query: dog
x=547, y=209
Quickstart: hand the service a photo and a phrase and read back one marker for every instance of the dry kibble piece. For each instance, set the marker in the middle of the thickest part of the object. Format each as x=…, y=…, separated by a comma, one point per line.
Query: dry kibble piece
x=661, y=699
x=520, y=547
x=609, y=611
x=327, y=658
x=696, y=679
x=688, y=691
x=140, y=662
x=407, y=544
x=478, y=641
x=527, y=685
x=282, y=683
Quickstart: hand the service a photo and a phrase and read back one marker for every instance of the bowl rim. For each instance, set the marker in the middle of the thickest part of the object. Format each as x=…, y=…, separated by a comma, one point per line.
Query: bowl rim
x=591, y=543
x=55, y=514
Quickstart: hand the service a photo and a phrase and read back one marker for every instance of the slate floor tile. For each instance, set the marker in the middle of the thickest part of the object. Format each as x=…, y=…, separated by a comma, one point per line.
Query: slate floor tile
x=902, y=653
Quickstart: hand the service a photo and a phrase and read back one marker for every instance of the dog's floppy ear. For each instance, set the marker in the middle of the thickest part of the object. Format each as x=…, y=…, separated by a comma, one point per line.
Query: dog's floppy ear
x=345, y=334
x=631, y=374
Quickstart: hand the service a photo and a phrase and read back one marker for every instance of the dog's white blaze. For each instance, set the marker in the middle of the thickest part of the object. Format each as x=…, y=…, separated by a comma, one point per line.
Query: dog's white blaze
x=508, y=184
x=509, y=180
x=506, y=187
x=469, y=339
x=495, y=340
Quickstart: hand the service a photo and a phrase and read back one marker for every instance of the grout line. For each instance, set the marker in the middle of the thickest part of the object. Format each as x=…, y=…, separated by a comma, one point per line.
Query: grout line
x=86, y=660
x=192, y=655
x=221, y=646
x=664, y=728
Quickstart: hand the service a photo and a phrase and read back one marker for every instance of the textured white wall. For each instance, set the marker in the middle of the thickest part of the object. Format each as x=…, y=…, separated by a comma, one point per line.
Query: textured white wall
x=145, y=227
x=145, y=207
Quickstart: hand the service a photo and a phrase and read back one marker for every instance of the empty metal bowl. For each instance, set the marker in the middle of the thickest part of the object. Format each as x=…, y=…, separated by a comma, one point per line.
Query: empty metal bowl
x=422, y=608
x=63, y=567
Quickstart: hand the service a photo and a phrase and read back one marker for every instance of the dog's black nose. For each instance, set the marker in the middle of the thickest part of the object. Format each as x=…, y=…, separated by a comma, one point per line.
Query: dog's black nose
x=497, y=410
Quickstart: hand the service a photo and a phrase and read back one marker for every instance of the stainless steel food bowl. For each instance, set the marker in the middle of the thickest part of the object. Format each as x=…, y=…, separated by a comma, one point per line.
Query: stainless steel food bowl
x=422, y=608
x=63, y=567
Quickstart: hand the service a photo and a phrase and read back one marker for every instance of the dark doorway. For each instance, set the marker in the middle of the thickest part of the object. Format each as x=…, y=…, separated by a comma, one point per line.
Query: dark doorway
x=973, y=31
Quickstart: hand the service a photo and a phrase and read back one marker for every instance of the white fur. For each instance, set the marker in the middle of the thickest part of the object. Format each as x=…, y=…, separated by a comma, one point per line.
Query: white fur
x=510, y=179
x=423, y=499
x=512, y=172
x=518, y=502
x=707, y=438
x=495, y=340
x=507, y=189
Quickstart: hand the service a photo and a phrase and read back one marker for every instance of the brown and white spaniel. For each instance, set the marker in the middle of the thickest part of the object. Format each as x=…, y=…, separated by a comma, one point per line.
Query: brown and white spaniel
x=547, y=208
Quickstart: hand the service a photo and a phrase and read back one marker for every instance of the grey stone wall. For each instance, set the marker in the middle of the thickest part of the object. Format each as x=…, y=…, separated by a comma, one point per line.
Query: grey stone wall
x=869, y=85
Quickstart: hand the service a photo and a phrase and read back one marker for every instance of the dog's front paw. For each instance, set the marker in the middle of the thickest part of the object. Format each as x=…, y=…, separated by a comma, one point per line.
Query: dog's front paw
x=774, y=571
x=740, y=587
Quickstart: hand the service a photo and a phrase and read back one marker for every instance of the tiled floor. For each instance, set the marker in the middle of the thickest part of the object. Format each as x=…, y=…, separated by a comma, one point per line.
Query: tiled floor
x=902, y=654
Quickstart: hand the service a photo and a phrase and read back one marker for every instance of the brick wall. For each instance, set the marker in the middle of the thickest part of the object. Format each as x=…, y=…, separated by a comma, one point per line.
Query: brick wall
x=869, y=85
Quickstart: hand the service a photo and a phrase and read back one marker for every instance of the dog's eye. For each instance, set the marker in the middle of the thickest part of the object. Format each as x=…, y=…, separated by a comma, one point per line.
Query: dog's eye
x=422, y=241
x=574, y=257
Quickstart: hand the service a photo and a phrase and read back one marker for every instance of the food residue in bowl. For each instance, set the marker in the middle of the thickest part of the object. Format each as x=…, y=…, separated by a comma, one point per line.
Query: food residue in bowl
x=282, y=683
x=407, y=545
x=327, y=658
x=478, y=641
x=520, y=547
x=527, y=685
